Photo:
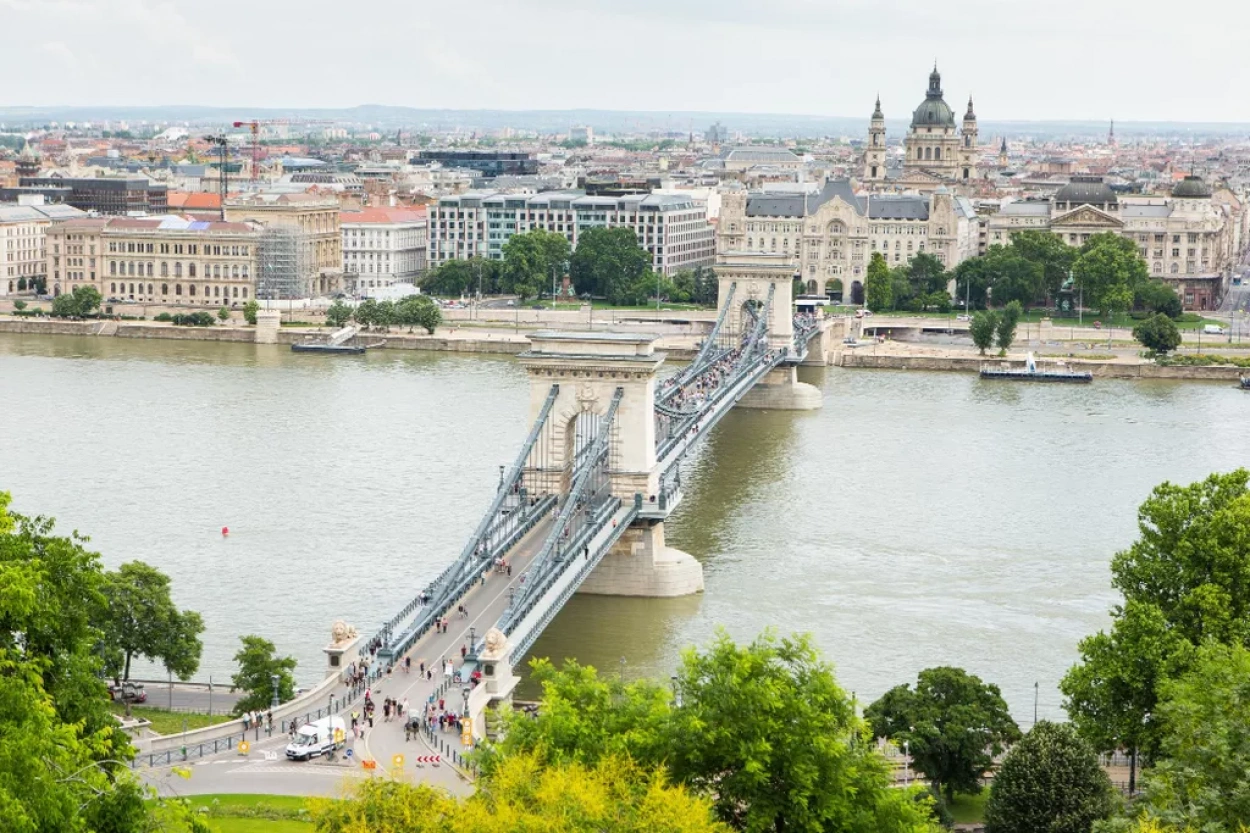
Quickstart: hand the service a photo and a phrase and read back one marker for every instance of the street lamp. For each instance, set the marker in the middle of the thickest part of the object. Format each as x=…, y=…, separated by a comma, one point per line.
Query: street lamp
x=906, y=764
x=472, y=648
x=274, y=679
x=464, y=692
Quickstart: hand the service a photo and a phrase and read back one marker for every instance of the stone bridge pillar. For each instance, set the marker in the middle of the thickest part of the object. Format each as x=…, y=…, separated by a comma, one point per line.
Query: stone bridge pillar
x=754, y=274
x=589, y=367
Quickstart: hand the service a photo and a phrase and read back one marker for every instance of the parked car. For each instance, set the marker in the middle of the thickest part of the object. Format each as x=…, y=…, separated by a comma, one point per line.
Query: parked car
x=128, y=692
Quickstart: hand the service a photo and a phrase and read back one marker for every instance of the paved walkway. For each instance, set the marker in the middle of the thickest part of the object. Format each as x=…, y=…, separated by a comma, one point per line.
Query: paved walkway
x=265, y=768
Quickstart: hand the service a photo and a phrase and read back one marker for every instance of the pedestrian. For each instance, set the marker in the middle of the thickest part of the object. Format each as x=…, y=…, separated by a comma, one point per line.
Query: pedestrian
x=269, y=715
x=407, y=732
x=429, y=674
x=586, y=552
x=440, y=704
x=294, y=726
x=407, y=664
x=247, y=721
x=423, y=669
x=403, y=707
x=509, y=571
x=386, y=711
x=464, y=651
x=369, y=717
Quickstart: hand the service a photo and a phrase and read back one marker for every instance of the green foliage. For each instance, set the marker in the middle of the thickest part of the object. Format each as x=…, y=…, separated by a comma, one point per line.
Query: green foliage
x=418, y=311
x=982, y=329
x=1158, y=334
x=1183, y=584
x=953, y=722
x=463, y=277
x=1202, y=360
x=972, y=279
x=1048, y=251
x=1013, y=277
x=60, y=749
x=525, y=794
x=338, y=314
x=764, y=732
x=1109, y=269
x=19, y=304
x=698, y=285
x=249, y=312
x=190, y=319
x=878, y=286
x=258, y=664
x=83, y=301
x=223, y=315
x=141, y=620
x=163, y=316
x=1159, y=297
x=530, y=259
x=608, y=263
x=1049, y=781
x=1005, y=332
x=1200, y=783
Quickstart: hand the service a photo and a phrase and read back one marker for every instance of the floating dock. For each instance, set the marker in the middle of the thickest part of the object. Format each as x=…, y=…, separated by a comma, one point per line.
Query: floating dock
x=1030, y=373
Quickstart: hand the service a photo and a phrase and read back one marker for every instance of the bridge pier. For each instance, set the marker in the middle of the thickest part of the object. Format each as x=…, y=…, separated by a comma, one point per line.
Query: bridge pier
x=641, y=564
x=781, y=390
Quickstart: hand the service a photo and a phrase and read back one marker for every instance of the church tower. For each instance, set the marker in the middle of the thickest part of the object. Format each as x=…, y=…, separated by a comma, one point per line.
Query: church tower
x=968, y=145
x=28, y=163
x=874, y=155
x=1002, y=154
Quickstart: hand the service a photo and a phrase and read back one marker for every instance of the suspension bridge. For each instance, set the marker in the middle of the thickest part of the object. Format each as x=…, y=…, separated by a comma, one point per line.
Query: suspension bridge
x=582, y=507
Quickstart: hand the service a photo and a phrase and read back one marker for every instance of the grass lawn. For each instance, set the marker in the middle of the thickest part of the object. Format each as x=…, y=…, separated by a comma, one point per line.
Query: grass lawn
x=170, y=723
x=968, y=809
x=223, y=822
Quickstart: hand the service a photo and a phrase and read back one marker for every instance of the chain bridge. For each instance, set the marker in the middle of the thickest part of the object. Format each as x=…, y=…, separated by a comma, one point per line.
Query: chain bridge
x=582, y=507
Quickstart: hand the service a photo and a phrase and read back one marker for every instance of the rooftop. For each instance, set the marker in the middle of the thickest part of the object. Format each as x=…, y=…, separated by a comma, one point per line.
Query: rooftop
x=382, y=216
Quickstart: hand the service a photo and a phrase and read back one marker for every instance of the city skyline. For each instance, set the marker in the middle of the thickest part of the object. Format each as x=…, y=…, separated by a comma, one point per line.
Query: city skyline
x=791, y=57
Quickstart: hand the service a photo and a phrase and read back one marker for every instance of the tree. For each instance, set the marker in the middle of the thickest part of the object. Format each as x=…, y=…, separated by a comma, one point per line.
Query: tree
x=1013, y=277
x=19, y=305
x=953, y=723
x=83, y=301
x=21, y=284
x=141, y=620
x=366, y=313
x=1158, y=296
x=384, y=315
x=972, y=279
x=1200, y=782
x=249, y=312
x=530, y=259
x=338, y=314
x=613, y=795
x=878, y=290
x=1005, y=332
x=607, y=262
x=223, y=315
x=982, y=329
x=418, y=311
x=927, y=275
x=1048, y=251
x=1182, y=583
x=1049, y=781
x=1158, y=334
x=763, y=731
x=1109, y=269
x=257, y=666
x=62, y=756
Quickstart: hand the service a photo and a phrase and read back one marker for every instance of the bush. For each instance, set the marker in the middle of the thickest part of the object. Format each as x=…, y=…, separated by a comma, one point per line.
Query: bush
x=164, y=316
x=1158, y=334
x=19, y=304
x=249, y=312
x=1202, y=360
x=193, y=319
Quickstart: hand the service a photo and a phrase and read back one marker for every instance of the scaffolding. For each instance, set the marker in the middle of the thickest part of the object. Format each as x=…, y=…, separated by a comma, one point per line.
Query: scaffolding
x=283, y=264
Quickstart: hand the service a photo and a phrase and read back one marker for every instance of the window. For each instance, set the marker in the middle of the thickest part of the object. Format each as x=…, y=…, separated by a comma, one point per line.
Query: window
x=191, y=289
x=178, y=269
x=112, y=267
x=164, y=289
x=177, y=289
x=937, y=153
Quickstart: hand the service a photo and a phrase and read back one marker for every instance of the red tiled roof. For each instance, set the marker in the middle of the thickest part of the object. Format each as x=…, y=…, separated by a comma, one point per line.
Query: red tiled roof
x=195, y=199
x=382, y=215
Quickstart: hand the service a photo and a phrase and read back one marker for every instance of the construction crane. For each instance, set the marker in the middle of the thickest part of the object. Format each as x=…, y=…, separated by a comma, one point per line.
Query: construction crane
x=254, y=125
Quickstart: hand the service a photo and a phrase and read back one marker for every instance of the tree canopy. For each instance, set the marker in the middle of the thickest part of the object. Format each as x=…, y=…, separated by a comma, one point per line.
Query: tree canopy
x=1183, y=582
x=1109, y=269
x=878, y=289
x=1158, y=334
x=982, y=328
x=530, y=259
x=763, y=731
x=954, y=724
x=83, y=301
x=1049, y=781
x=141, y=620
x=608, y=262
x=258, y=664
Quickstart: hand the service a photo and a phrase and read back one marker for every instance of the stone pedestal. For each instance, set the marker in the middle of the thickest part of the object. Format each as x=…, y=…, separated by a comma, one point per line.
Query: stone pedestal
x=268, y=322
x=781, y=390
x=498, y=681
x=341, y=650
x=640, y=564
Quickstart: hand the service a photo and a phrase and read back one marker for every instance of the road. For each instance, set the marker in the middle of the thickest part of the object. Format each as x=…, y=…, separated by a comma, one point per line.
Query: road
x=258, y=772
x=190, y=698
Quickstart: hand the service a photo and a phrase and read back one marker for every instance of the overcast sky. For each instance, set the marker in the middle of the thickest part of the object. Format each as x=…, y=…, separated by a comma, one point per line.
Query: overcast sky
x=1022, y=59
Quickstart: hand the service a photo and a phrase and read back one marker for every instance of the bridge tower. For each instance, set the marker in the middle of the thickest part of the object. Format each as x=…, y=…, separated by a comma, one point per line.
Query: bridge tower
x=589, y=367
x=754, y=276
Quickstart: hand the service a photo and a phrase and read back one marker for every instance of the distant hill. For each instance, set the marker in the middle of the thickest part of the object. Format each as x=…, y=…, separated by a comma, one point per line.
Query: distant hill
x=387, y=118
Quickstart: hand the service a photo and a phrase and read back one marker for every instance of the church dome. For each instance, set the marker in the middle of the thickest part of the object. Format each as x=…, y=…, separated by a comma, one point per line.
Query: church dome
x=933, y=111
x=1191, y=187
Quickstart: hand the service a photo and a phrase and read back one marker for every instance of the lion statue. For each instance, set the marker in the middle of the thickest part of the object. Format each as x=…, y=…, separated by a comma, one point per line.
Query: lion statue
x=341, y=632
x=495, y=641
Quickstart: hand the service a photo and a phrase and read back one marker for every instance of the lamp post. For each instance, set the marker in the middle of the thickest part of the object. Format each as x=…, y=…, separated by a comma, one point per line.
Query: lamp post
x=464, y=692
x=274, y=679
x=472, y=642
x=906, y=764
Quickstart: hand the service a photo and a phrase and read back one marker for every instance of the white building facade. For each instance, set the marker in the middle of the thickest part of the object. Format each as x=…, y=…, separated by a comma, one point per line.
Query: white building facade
x=674, y=229
x=23, y=231
x=382, y=247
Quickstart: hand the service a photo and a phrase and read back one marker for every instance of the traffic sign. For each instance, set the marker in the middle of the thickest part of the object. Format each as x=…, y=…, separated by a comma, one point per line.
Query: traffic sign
x=398, y=760
x=244, y=747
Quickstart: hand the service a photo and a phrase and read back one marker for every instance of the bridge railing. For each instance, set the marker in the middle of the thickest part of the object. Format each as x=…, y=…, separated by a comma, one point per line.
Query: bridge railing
x=707, y=354
x=511, y=514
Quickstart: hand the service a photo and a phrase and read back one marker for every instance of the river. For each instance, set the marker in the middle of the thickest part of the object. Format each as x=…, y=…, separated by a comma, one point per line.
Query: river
x=918, y=519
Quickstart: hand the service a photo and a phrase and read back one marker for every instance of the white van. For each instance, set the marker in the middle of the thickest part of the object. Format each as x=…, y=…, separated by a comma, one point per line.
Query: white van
x=317, y=738
x=1213, y=330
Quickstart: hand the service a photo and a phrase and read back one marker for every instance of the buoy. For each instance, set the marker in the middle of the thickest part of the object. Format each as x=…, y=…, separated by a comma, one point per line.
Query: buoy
x=225, y=530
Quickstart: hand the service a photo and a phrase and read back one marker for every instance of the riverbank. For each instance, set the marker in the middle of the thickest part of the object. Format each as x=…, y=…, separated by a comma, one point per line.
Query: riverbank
x=902, y=356
x=680, y=346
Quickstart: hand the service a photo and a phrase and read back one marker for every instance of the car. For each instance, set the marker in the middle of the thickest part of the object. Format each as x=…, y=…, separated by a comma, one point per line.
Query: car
x=512, y=303
x=538, y=306
x=1213, y=330
x=850, y=341
x=963, y=317
x=128, y=692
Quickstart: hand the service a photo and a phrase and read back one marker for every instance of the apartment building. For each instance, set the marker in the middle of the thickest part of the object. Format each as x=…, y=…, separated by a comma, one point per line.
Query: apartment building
x=23, y=233
x=673, y=228
x=381, y=247
x=167, y=260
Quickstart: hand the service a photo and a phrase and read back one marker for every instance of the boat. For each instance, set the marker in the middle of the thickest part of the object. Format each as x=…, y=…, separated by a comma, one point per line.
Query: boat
x=337, y=343
x=1030, y=373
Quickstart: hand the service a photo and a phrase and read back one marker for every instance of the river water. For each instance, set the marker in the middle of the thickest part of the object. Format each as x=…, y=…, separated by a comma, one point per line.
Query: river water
x=918, y=519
